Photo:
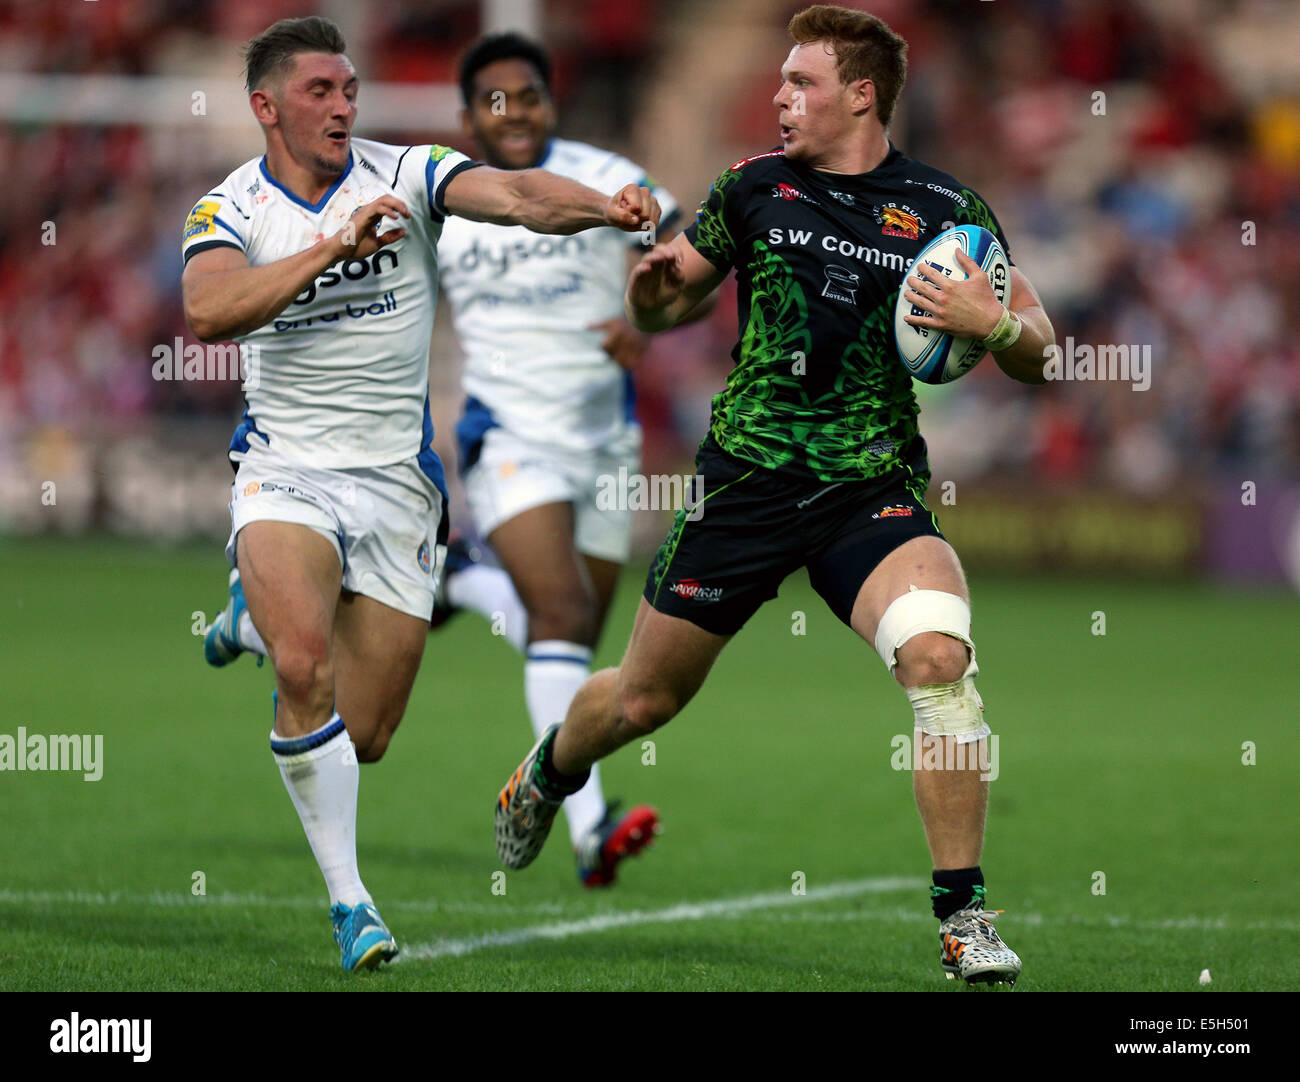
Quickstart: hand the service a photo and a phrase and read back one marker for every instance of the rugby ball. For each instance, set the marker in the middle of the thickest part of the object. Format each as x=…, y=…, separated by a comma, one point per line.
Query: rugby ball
x=933, y=356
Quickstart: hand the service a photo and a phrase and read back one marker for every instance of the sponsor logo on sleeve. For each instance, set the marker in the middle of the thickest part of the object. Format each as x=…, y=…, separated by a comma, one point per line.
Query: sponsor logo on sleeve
x=202, y=220
x=894, y=511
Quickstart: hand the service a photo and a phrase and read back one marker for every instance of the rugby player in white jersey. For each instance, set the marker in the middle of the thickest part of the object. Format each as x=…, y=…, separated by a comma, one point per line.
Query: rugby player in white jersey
x=548, y=413
x=320, y=260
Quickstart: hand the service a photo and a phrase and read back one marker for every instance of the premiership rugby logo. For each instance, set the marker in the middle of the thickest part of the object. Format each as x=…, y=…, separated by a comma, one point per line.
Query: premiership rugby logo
x=899, y=221
x=895, y=511
x=202, y=220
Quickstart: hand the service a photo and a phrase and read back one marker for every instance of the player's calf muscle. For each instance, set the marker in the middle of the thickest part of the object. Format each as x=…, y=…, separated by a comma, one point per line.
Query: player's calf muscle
x=642, y=709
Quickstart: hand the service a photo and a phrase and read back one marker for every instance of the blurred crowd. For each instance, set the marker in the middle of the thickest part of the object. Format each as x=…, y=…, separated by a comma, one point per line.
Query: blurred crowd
x=1144, y=162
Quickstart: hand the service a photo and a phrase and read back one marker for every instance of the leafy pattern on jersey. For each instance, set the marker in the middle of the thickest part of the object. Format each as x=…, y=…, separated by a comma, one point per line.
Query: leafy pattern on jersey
x=856, y=424
x=764, y=413
x=877, y=404
x=713, y=238
x=975, y=212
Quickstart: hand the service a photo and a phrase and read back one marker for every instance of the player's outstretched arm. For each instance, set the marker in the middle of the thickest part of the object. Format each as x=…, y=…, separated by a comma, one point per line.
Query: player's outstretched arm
x=667, y=285
x=225, y=297
x=545, y=202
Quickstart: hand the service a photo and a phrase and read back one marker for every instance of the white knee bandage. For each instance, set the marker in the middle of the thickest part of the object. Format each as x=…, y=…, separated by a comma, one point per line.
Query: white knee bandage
x=954, y=709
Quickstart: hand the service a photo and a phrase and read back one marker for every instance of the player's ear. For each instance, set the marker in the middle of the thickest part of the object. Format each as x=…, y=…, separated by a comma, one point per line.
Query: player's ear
x=862, y=95
x=263, y=107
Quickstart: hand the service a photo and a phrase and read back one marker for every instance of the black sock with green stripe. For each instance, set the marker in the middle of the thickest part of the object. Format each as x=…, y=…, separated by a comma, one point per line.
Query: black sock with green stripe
x=957, y=888
x=553, y=784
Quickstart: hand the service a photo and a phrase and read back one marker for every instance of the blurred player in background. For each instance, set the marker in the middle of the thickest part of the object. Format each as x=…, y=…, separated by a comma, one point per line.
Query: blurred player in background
x=549, y=411
x=814, y=458
x=319, y=258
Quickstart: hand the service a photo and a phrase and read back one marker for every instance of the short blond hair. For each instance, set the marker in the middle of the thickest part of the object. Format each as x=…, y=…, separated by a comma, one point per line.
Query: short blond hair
x=865, y=48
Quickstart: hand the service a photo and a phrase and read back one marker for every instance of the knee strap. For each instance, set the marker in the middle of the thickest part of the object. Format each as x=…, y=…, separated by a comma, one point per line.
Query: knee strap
x=953, y=709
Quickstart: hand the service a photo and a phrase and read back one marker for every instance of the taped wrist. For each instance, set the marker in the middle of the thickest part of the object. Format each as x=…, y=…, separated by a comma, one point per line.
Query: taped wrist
x=1005, y=333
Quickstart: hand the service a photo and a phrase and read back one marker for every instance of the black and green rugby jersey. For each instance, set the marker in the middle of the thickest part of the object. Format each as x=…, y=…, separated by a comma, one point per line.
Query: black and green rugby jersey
x=818, y=387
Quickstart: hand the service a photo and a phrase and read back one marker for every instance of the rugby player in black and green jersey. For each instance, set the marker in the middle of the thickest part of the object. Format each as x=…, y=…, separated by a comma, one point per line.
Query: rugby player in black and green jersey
x=813, y=457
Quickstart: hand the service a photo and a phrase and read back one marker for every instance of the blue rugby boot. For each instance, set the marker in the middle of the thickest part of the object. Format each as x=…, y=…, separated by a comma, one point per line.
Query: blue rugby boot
x=362, y=936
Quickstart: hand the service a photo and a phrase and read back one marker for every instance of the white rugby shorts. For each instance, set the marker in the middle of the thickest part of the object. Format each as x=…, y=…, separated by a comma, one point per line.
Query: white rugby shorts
x=388, y=524
x=512, y=475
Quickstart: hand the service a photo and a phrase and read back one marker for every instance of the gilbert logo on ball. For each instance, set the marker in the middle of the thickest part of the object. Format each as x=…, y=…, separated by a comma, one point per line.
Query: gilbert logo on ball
x=932, y=356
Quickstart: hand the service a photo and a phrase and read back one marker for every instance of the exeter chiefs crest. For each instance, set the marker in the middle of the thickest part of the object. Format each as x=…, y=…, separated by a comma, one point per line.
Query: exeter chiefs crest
x=899, y=221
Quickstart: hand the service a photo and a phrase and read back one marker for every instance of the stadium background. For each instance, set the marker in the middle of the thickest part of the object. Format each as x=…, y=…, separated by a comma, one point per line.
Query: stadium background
x=1171, y=219
x=1130, y=224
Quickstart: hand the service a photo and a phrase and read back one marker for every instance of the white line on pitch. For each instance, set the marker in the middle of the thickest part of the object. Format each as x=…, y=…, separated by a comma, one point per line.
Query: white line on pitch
x=692, y=911
x=179, y=899
x=673, y=914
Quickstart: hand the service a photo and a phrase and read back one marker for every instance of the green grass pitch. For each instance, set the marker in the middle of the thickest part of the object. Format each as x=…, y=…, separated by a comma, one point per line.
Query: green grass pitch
x=1119, y=754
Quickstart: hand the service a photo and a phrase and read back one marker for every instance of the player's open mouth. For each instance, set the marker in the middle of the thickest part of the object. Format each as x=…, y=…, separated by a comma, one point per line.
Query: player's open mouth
x=337, y=136
x=517, y=140
x=786, y=132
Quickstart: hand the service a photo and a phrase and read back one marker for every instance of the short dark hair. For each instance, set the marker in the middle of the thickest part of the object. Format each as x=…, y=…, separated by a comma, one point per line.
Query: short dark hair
x=273, y=50
x=865, y=48
x=508, y=46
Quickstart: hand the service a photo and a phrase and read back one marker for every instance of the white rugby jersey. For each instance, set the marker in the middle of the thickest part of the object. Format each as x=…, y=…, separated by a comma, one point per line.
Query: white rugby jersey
x=340, y=378
x=522, y=303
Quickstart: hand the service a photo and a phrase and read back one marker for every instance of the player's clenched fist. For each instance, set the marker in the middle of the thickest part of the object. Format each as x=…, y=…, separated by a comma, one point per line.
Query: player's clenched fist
x=657, y=279
x=358, y=239
x=631, y=207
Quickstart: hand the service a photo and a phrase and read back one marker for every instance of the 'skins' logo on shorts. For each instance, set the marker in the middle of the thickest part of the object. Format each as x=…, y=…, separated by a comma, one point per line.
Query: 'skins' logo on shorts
x=896, y=221
x=425, y=557
x=691, y=590
x=894, y=511
x=267, y=488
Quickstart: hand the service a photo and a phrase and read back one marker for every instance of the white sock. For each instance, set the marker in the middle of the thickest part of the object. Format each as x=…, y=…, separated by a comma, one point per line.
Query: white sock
x=553, y=673
x=248, y=636
x=489, y=592
x=321, y=773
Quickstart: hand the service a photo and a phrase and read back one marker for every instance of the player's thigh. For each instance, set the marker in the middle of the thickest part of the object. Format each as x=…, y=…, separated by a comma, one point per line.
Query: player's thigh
x=666, y=662
x=926, y=563
x=290, y=576
x=603, y=575
x=602, y=528
x=377, y=653
x=536, y=549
